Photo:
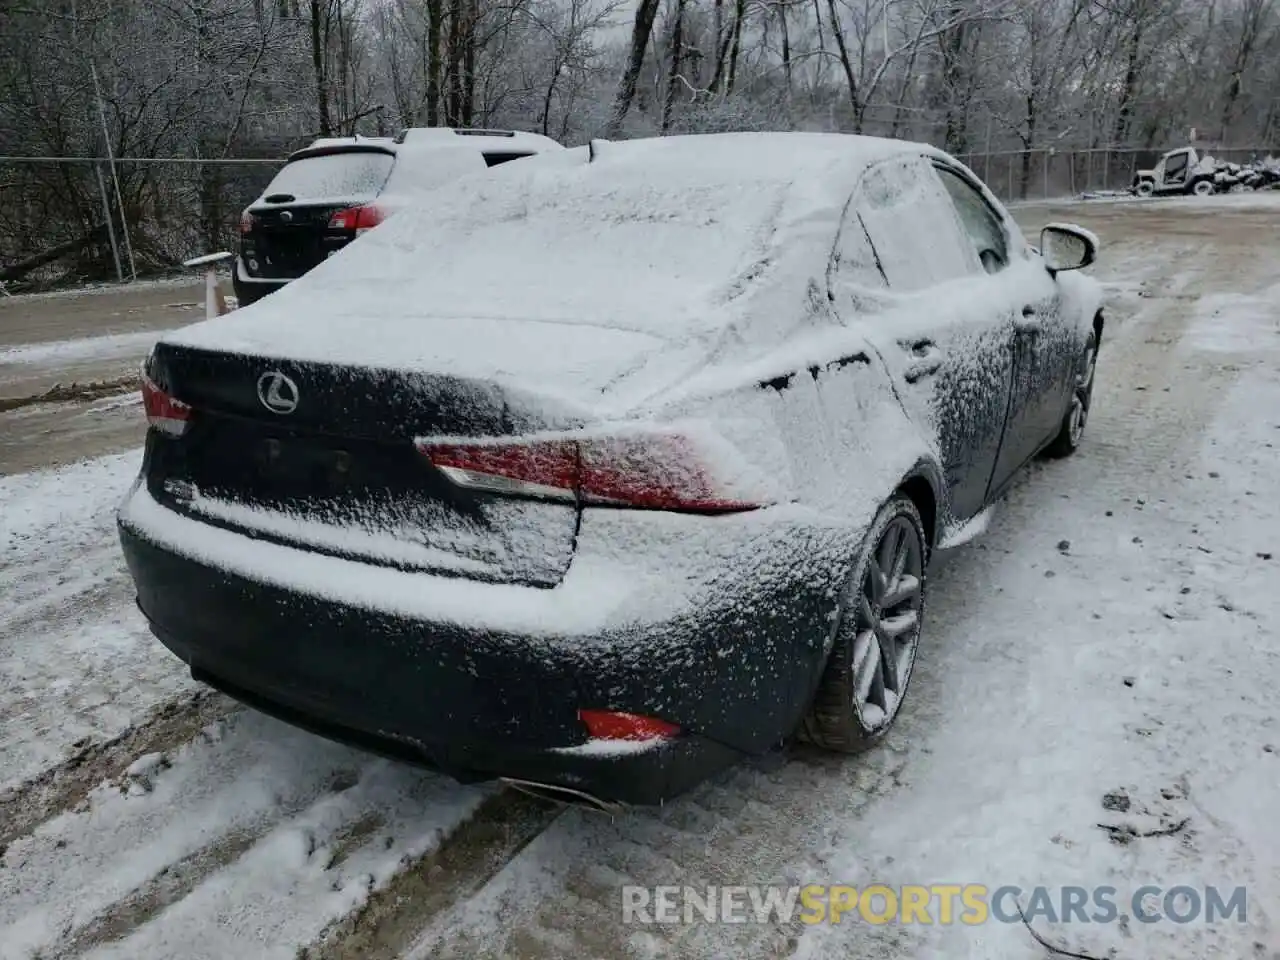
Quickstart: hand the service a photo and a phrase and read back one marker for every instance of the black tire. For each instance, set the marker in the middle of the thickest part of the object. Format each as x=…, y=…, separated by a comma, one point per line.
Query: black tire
x=1203, y=188
x=1145, y=188
x=1076, y=418
x=837, y=720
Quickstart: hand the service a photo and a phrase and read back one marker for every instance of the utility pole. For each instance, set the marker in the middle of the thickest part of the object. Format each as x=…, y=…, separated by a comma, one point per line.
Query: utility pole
x=106, y=142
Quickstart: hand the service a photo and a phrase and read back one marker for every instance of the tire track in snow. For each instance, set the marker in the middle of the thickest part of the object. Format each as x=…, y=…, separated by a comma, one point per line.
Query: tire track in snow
x=64, y=787
x=178, y=880
x=481, y=847
x=76, y=660
x=762, y=822
x=174, y=882
x=252, y=835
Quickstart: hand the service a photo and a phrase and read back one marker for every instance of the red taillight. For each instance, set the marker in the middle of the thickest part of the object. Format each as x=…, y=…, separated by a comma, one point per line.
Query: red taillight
x=246, y=222
x=358, y=219
x=657, y=471
x=164, y=413
x=612, y=725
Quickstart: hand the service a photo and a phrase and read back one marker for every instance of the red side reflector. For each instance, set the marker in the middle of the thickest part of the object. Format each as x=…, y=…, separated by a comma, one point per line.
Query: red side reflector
x=164, y=413
x=611, y=725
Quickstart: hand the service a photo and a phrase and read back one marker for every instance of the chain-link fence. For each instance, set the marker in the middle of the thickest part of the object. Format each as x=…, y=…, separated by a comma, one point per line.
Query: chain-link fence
x=82, y=219
x=71, y=220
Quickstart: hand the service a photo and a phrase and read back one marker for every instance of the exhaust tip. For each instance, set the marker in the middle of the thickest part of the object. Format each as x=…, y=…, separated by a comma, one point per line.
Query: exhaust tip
x=564, y=795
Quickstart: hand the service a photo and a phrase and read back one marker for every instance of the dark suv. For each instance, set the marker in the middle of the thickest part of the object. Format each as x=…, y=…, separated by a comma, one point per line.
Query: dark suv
x=329, y=193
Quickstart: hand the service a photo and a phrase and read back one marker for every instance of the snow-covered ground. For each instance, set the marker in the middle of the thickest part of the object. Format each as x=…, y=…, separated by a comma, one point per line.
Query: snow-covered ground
x=1092, y=707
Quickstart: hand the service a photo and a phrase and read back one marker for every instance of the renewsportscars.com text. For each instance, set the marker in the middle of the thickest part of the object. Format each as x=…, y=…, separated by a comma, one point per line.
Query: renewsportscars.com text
x=969, y=904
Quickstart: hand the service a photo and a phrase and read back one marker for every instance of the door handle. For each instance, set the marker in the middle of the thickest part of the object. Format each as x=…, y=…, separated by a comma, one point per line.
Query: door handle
x=927, y=359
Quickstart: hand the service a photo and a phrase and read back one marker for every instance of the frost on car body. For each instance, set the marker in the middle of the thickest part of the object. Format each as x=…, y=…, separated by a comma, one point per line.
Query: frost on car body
x=590, y=433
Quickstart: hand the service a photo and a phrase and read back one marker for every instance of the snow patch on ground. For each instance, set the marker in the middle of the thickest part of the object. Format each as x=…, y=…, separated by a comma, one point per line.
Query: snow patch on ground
x=110, y=347
x=90, y=290
x=76, y=659
x=1237, y=322
x=265, y=832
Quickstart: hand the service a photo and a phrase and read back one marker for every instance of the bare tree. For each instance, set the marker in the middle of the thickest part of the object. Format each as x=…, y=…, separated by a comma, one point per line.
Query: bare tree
x=646, y=12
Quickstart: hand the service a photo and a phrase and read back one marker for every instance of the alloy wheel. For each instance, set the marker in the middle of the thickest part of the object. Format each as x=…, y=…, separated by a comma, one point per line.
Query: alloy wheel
x=887, y=616
x=1083, y=396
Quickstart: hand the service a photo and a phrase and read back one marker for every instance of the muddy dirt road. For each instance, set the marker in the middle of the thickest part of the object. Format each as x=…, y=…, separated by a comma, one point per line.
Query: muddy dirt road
x=83, y=347
x=1107, y=637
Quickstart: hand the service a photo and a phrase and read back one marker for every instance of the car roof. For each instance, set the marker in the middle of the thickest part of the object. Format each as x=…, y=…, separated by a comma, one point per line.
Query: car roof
x=784, y=157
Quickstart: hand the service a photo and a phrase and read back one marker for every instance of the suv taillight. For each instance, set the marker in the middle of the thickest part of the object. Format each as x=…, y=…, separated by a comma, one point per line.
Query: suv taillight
x=358, y=219
x=164, y=413
x=246, y=222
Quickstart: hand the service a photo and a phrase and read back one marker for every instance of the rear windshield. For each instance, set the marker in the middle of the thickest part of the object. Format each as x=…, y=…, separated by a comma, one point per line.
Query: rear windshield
x=333, y=175
x=493, y=158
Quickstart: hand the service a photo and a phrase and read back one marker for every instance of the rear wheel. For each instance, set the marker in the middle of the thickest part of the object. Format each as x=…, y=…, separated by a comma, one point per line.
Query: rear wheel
x=1073, y=422
x=876, y=635
x=1202, y=188
x=1145, y=188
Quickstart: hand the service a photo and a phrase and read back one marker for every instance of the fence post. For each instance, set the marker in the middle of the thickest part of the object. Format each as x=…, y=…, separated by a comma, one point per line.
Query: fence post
x=214, y=303
x=111, y=227
x=111, y=160
x=986, y=163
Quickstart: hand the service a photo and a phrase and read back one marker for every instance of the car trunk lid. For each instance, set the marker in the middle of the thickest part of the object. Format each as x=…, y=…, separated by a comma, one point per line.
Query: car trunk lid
x=321, y=456
x=287, y=239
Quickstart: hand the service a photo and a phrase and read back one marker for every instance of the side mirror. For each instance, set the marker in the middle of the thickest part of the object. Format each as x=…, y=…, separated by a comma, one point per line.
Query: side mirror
x=1066, y=246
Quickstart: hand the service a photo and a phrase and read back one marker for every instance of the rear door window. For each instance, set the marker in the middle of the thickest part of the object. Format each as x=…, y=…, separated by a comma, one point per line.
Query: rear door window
x=912, y=226
x=982, y=224
x=337, y=176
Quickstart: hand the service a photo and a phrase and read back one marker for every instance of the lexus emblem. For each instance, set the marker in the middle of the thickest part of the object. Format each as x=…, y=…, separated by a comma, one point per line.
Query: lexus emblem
x=277, y=392
x=286, y=216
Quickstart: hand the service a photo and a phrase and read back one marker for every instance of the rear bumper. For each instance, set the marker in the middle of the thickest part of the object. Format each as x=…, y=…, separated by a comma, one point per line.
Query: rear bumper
x=249, y=289
x=462, y=690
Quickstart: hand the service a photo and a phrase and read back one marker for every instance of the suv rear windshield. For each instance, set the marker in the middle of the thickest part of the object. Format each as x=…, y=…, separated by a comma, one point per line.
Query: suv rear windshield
x=333, y=175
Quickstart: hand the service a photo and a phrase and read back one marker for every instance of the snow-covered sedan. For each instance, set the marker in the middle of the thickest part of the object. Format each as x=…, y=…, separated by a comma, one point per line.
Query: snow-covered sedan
x=609, y=467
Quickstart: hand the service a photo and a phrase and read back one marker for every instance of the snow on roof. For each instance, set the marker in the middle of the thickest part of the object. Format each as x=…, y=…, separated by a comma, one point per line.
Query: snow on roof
x=679, y=240
x=323, y=143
